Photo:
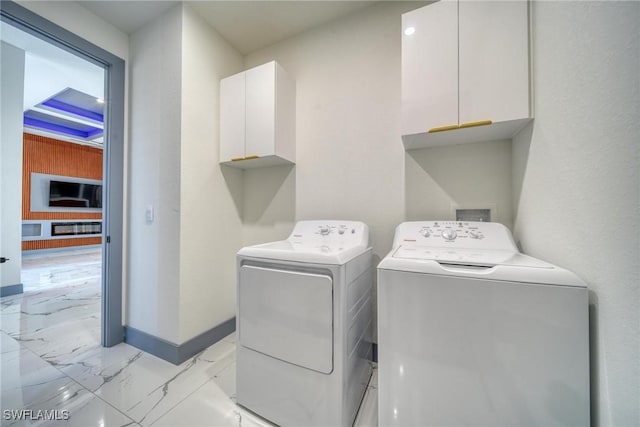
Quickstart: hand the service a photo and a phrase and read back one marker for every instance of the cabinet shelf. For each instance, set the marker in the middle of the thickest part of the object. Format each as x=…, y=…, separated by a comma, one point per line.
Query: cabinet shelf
x=493, y=132
x=257, y=162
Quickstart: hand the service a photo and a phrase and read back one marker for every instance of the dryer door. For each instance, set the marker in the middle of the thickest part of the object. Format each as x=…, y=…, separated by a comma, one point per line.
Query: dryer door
x=287, y=315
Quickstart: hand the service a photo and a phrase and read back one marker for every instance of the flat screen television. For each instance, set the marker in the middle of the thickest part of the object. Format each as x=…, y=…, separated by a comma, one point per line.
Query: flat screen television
x=75, y=195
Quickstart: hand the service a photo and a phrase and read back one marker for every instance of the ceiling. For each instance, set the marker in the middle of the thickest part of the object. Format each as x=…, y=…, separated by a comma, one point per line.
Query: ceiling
x=252, y=25
x=61, y=90
x=50, y=69
x=246, y=25
x=128, y=16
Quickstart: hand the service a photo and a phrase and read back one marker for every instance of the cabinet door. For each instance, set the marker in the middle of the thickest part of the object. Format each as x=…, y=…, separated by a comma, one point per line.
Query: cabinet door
x=260, y=139
x=494, y=60
x=232, y=117
x=430, y=67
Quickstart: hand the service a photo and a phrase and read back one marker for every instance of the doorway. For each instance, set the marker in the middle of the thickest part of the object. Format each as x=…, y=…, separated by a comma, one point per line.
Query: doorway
x=111, y=331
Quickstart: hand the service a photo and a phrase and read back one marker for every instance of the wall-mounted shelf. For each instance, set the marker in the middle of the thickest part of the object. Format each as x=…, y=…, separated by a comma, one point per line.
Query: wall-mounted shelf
x=494, y=132
x=253, y=162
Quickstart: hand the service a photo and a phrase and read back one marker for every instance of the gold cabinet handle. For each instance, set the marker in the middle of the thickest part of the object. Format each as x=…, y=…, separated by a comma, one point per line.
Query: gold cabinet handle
x=462, y=126
x=474, y=124
x=237, y=159
x=443, y=128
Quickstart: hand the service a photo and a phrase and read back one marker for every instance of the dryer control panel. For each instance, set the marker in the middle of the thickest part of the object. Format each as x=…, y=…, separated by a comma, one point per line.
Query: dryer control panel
x=455, y=234
x=331, y=232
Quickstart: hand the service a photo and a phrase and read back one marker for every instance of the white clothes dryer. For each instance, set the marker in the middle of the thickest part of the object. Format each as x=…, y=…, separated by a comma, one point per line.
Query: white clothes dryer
x=304, y=320
x=472, y=332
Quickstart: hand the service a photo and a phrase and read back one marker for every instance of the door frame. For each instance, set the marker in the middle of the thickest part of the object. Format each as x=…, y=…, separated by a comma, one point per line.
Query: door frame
x=112, y=331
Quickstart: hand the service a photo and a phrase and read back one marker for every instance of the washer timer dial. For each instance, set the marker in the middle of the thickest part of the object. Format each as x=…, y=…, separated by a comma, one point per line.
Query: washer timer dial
x=449, y=234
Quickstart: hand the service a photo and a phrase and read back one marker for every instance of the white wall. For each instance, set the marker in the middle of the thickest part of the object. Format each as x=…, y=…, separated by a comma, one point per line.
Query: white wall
x=350, y=161
x=474, y=175
x=210, y=225
x=577, y=180
x=12, y=81
x=182, y=272
x=349, y=156
x=154, y=178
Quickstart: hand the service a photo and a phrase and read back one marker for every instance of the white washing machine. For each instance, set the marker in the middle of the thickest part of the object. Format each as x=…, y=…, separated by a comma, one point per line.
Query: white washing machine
x=304, y=324
x=472, y=332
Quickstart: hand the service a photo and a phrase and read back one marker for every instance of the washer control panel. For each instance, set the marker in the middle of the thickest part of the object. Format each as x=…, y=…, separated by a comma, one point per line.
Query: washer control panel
x=460, y=234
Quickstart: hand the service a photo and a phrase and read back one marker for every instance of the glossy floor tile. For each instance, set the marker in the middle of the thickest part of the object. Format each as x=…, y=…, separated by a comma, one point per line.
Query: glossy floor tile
x=52, y=360
x=49, y=270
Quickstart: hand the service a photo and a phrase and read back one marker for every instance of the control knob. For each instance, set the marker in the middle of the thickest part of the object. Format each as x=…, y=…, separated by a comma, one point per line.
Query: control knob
x=324, y=230
x=425, y=232
x=474, y=234
x=449, y=234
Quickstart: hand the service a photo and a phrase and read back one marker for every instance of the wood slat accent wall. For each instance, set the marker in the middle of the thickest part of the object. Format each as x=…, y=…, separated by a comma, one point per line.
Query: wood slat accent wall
x=55, y=157
x=60, y=243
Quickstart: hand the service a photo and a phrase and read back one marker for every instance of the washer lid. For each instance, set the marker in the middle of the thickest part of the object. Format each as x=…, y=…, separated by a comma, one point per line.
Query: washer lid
x=465, y=256
x=469, y=249
x=485, y=265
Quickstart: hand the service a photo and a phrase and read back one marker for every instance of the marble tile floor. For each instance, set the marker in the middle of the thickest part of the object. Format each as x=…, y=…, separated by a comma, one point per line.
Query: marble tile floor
x=46, y=270
x=52, y=360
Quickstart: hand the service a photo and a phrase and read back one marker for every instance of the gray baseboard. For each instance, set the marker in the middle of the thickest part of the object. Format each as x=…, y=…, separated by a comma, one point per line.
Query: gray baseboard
x=174, y=353
x=6, y=291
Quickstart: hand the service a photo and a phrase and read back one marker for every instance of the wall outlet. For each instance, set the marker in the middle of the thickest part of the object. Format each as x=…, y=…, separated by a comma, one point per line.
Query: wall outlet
x=476, y=215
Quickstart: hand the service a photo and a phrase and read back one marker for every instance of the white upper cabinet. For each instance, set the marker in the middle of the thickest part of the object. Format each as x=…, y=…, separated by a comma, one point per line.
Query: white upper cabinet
x=232, y=112
x=465, y=72
x=494, y=61
x=430, y=67
x=257, y=118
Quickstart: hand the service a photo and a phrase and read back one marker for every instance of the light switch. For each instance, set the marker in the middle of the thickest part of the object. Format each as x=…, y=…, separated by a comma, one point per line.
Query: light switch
x=148, y=213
